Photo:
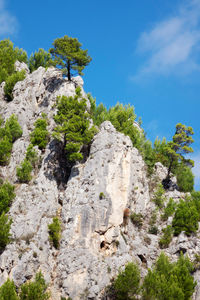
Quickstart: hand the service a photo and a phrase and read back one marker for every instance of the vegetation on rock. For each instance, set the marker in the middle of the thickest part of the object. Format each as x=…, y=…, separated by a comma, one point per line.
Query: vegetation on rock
x=10, y=83
x=55, y=232
x=73, y=125
x=40, y=58
x=69, y=56
x=40, y=135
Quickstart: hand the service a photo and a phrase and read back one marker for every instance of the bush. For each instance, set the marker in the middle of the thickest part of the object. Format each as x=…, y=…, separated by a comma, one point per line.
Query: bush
x=35, y=290
x=169, y=209
x=101, y=196
x=8, y=291
x=41, y=58
x=185, y=179
x=169, y=280
x=158, y=197
x=8, y=57
x=5, y=224
x=186, y=218
x=24, y=171
x=5, y=150
x=166, y=238
x=40, y=135
x=12, y=126
x=11, y=81
x=8, y=134
x=137, y=219
x=55, y=232
x=153, y=229
x=31, y=155
x=126, y=285
x=6, y=196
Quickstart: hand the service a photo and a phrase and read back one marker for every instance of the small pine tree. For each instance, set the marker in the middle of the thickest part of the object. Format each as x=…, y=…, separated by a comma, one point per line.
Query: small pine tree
x=8, y=291
x=40, y=58
x=55, y=232
x=11, y=81
x=35, y=290
x=12, y=126
x=126, y=285
x=5, y=224
x=7, y=195
x=40, y=135
x=24, y=171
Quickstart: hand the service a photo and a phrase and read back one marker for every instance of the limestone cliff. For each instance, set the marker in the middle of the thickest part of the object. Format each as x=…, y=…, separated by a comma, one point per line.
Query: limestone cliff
x=96, y=241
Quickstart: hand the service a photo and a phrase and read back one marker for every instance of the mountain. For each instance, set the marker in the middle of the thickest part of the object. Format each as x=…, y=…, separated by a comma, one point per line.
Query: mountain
x=94, y=201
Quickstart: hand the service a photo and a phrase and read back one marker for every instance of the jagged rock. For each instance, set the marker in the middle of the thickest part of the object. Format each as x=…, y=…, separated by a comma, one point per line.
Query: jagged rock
x=19, y=66
x=96, y=241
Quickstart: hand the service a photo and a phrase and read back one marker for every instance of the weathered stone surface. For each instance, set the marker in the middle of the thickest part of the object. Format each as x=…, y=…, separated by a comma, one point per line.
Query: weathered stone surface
x=96, y=238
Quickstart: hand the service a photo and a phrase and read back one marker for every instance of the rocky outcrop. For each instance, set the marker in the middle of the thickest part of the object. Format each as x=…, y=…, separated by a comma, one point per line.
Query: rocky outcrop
x=96, y=238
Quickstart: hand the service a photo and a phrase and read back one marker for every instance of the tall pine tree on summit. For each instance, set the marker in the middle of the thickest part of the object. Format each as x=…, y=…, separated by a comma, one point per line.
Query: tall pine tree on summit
x=69, y=56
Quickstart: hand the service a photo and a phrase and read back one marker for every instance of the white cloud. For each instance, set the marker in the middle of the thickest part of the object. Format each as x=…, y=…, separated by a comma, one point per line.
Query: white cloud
x=8, y=22
x=172, y=44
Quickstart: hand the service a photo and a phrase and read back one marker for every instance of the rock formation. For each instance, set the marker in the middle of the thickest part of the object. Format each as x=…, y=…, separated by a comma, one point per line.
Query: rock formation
x=96, y=241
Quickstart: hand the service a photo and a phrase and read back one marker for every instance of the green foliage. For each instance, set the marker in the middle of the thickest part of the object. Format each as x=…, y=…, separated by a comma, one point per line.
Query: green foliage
x=31, y=155
x=6, y=196
x=185, y=178
x=40, y=58
x=169, y=209
x=73, y=125
x=8, y=134
x=101, y=196
x=169, y=280
x=153, y=229
x=11, y=81
x=8, y=57
x=158, y=197
x=5, y=150
x=5, y=224
x=126, y=285
x=8, y=291
x=137, y=219
x=166, y=238
x=40, y=135
x=186, y=218
x=69, y=56
x=12, y=126
x=55, y=232
x=35, y=290
x=24, y=171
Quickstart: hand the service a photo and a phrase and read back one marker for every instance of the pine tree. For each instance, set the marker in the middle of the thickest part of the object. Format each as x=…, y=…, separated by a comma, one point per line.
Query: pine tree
x=69, y=56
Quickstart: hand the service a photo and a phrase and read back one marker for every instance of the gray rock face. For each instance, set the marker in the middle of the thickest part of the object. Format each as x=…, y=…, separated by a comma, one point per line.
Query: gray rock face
x=96, y=237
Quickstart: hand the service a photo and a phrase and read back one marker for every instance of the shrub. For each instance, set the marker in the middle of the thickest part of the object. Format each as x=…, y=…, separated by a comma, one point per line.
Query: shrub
x=158, y=197
x=55, y=232
x=6, y=196
x=169, y=280
x=31, y=155
x=153, y=218
x=35, y=290
x=185, y=179
x=8, y=134
x=40, y=58
x=186, y=218
x=137, y=219
x=40, y=135
x=24, y=171
x=166, y=238
x=5, y=150
x=11, y=81
x=8, y=291
x=12, y=126
x=101, y=196
x=169, y=209
x=126, y=285
x=153, y=229
x=5, y=224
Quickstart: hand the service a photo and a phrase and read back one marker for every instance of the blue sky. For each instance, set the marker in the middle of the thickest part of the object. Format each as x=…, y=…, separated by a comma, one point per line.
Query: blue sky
x=146, y=53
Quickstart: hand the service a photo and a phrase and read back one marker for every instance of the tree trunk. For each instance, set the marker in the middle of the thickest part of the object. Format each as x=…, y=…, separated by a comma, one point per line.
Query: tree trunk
x=68, y=71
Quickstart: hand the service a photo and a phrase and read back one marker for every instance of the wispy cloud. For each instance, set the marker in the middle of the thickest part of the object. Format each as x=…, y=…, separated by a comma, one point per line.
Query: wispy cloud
x=8, y=22
x=172, y=44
